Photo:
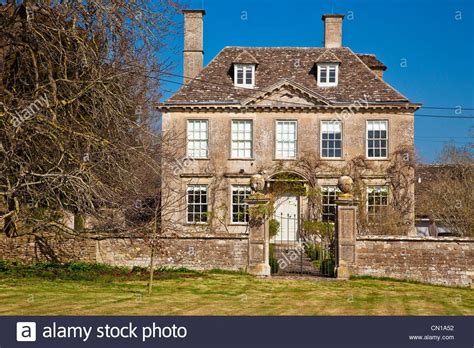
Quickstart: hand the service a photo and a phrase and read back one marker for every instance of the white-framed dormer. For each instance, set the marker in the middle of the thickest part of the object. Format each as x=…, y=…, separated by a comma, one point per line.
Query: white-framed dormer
x=244, y=75
x=328, y=74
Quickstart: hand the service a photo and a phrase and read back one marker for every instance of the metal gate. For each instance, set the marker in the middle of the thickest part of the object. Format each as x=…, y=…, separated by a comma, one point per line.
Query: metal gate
x=292, y=251
x=288, y=232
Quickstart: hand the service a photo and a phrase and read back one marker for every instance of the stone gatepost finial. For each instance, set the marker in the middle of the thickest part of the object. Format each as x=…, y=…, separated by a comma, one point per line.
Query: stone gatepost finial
x=257, y=184
x=345, y=183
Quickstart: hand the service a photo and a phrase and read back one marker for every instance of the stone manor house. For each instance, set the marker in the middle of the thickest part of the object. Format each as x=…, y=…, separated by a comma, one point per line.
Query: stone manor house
x=300, y=116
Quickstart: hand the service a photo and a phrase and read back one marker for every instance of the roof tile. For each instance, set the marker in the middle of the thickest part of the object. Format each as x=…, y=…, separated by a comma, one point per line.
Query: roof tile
x=356, y=80
x=245, y=58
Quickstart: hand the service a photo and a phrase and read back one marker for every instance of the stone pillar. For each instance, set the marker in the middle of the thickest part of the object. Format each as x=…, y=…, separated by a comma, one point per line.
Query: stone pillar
x=259, y=236
x=346, y=229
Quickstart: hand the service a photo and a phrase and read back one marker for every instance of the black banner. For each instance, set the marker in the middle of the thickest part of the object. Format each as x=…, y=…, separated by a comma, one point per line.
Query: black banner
x=327, y=332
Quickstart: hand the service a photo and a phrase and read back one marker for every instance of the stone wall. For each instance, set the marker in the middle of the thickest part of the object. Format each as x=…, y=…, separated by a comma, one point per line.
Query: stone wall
x=442, y=260
x=199, y=253
x=193, y=253
x=205, y=253
x=47, y=248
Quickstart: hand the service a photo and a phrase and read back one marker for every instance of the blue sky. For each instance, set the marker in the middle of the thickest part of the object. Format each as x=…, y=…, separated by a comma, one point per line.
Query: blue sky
x=427, y=45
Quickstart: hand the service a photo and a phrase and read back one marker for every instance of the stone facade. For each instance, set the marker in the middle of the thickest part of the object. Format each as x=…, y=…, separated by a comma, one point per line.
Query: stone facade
x=444, y=260
x=219, y=171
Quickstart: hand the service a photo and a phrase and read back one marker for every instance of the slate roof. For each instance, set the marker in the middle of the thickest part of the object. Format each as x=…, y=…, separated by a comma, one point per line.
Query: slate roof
x=371, y=61
x=356, y=80
x=327, y=57
x=245, y=58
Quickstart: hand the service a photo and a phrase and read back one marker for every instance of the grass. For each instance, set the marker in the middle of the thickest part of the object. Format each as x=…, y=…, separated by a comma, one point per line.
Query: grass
x=119, y=291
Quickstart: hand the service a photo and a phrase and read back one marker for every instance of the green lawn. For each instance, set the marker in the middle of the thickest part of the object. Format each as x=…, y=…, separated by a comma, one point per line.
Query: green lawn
x=197, y=293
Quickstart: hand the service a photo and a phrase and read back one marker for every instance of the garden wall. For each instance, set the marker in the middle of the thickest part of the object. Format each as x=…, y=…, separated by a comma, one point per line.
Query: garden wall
x=47, y=248
x=436, y=260
x=196, y=253
x=442, y=260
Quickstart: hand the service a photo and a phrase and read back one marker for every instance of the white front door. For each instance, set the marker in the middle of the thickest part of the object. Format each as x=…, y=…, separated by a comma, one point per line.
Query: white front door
x=287, y=213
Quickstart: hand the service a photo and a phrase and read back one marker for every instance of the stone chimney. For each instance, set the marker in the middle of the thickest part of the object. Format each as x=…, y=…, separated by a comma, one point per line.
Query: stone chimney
x=332, y=30
x=193, y=43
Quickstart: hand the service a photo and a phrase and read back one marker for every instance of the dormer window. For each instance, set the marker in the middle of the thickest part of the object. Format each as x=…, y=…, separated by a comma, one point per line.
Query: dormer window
x=328, y=75
x=244, y=75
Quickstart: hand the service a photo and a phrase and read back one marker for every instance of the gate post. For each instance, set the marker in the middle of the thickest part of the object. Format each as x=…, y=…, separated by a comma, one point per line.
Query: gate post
x=259, y=236
x=259, y=231
x=346, y=227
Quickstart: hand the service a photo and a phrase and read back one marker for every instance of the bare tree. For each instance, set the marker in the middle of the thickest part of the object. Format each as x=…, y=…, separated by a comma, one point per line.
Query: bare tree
x=452, y=154
x=79, y=82
x=445, y=190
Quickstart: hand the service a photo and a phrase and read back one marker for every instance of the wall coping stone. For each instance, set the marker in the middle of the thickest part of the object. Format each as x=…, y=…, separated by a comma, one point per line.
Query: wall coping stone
x=204, y=236
x=415, y=239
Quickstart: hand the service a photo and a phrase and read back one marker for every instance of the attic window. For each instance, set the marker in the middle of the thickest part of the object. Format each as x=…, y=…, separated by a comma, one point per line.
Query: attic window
x=328, y=75
x=244, y=75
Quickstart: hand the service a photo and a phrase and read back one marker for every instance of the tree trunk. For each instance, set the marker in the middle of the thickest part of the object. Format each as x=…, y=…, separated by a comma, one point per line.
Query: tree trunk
x=150, y=280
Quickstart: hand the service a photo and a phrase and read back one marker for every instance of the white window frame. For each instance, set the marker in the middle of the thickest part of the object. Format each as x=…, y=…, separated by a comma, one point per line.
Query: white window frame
x=323, y=122
x=373, y=139
x=248, y=191
x=239, y=140
x=372, y=188
x=295, y=141
x=192, y=151
x=326, y=67
x=200, y=204
x=245, y=68
x=330, y=190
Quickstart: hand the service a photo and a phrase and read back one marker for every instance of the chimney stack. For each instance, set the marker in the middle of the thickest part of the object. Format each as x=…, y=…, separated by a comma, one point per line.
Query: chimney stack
x=193, y=43
x=332, y=30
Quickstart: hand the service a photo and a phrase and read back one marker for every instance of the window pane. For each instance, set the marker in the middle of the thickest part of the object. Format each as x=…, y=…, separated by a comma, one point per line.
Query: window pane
x=286, y=139
x=327, y=75
x=248, y=76
x=323, y=75
x=377, y=197
x=239, y=205
x=197, y=203
x=240, y=76
x=242, y=139
x=329, y=195
x=377, y=139
x=331, y=130
x=244, y=75
x=197, y=139
x=332, y=74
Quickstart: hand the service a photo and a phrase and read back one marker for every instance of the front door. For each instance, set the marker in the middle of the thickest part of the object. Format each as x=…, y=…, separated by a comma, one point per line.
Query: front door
x=287, y=213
